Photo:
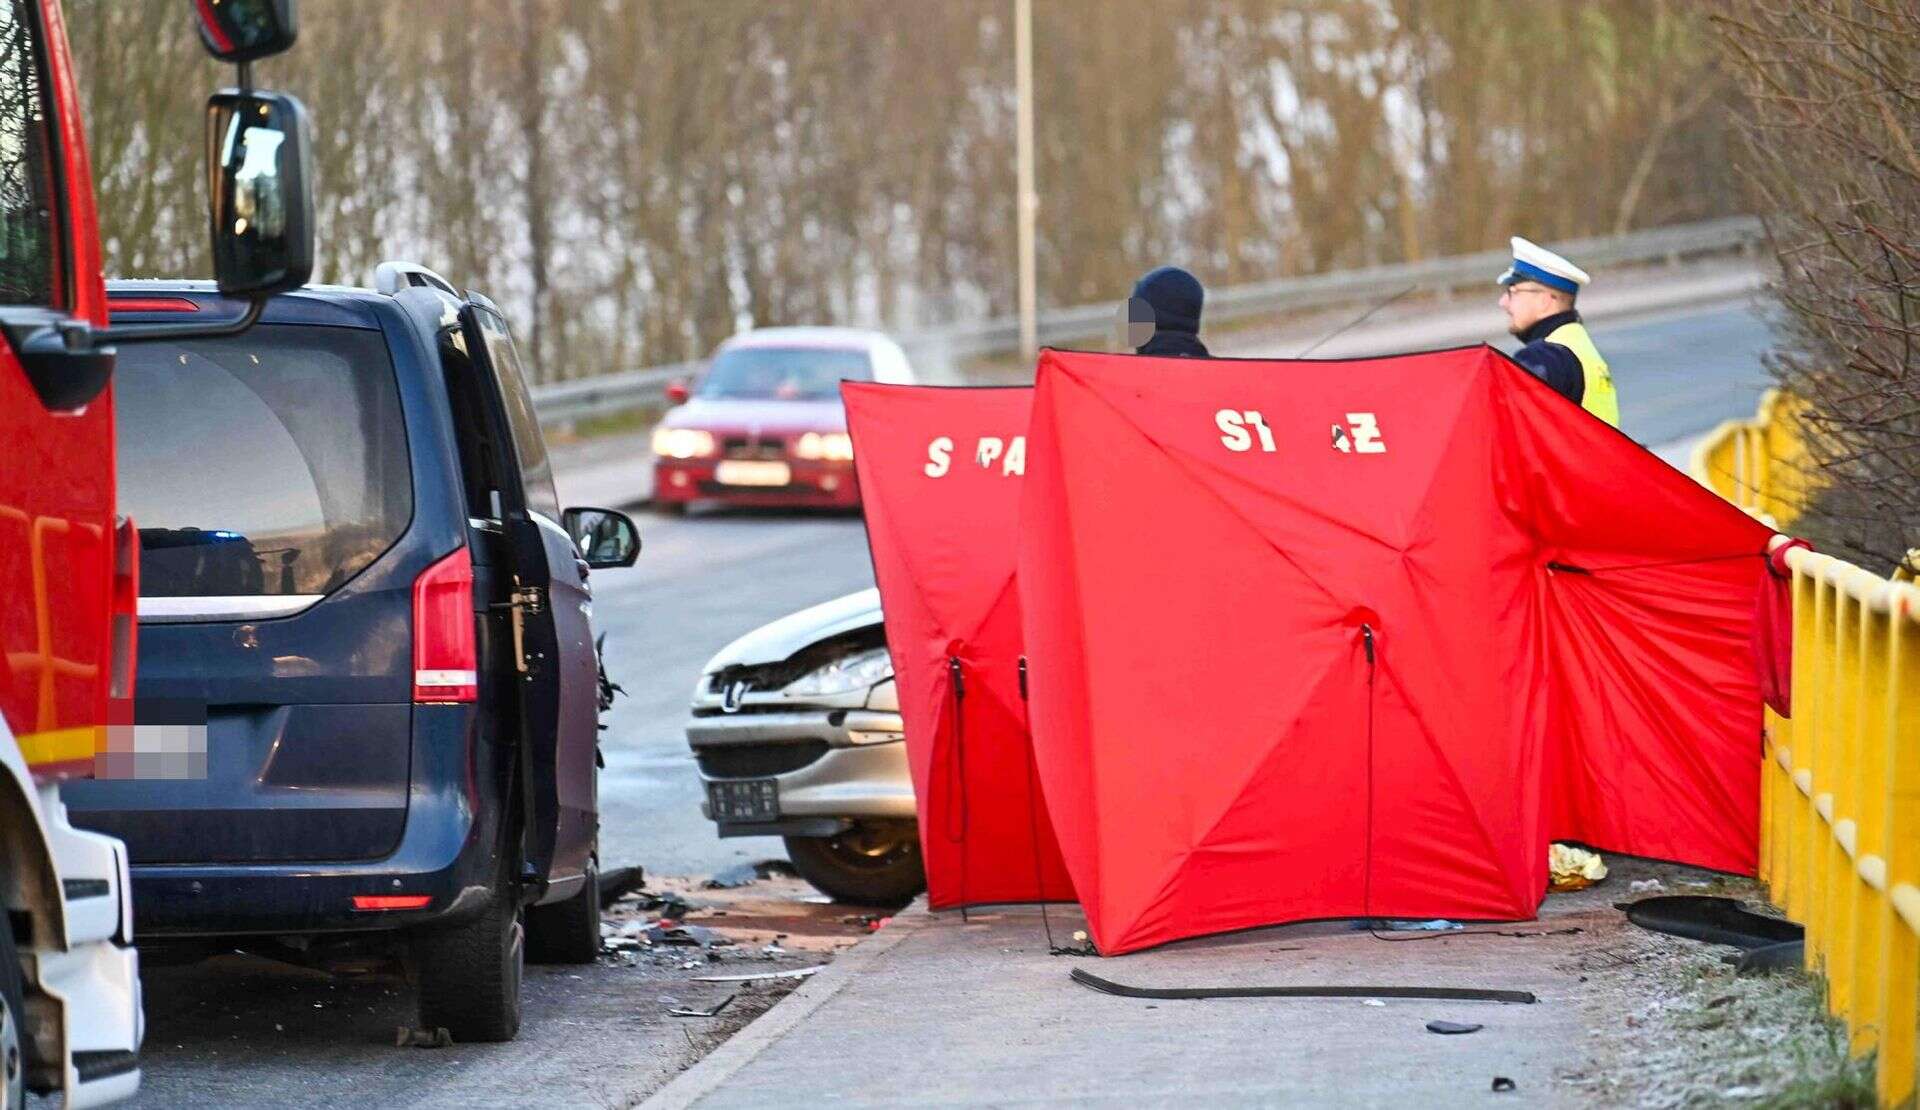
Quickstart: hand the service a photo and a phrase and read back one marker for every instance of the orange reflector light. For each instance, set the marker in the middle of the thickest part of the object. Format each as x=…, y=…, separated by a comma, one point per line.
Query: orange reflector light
x=391, y=901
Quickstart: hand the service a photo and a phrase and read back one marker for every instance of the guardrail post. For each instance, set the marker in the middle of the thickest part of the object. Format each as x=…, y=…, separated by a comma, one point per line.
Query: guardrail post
x=1899, y=963
x=1807, y=607
x=1837, y=765
x=1819, y=762
x=1772, y=740
x=1854, y=802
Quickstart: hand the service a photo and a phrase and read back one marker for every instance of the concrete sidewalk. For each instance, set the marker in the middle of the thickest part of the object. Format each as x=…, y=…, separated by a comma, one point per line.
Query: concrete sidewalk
x=938, y=1011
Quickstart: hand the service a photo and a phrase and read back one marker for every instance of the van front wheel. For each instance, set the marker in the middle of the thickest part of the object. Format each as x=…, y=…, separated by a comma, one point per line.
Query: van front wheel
x=468, y=976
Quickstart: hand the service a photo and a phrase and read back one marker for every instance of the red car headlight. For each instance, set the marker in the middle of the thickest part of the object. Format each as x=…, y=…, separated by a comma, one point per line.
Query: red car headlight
x=830, y=446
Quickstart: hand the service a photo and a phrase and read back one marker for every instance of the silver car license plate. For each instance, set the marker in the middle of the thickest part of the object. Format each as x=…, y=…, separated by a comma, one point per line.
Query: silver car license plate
x=744, y=800
x=752, y=472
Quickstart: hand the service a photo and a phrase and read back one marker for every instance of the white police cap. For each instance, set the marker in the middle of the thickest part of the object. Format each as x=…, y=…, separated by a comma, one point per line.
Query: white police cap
x=1533, y=262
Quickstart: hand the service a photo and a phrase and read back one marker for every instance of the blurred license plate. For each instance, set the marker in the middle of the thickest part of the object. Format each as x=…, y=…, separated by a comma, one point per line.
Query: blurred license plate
x=752, y=472
x=744, y=800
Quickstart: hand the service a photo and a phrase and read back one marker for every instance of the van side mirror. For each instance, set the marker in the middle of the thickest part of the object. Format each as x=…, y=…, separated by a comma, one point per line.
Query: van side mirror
x=606, y=538
x=245, y=30
x=260, y=199
x=677, y=391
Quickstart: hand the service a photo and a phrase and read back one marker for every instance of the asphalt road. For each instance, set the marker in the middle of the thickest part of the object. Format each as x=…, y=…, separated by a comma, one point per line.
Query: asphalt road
x=1681, y=373
x=244, y=1032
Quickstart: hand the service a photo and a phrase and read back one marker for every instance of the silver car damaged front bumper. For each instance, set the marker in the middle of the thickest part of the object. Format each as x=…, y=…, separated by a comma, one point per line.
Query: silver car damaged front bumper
x=834, y=759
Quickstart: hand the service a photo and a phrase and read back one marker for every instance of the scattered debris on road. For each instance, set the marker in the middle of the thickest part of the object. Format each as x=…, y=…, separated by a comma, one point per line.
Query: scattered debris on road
x=796, y=973
x=406, y=1036
x=619, y=882
x=1454, y=1028
x=747, y=873
x=697, y=936
x=1570, y=868
x=680, y=1011
x=1501, y=1083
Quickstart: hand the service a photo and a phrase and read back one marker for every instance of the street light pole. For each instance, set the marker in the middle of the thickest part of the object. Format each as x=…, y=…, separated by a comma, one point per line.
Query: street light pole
x=1026, y=201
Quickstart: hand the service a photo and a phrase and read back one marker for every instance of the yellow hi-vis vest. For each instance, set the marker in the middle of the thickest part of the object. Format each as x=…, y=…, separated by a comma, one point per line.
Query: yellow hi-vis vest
x=1598, y=396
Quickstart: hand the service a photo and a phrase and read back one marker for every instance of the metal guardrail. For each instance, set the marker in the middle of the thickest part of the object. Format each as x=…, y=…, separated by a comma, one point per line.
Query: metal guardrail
x=607, y=394
x=1840, y=780
x=1840, y=805
x=1758, y=464
x=943, y=352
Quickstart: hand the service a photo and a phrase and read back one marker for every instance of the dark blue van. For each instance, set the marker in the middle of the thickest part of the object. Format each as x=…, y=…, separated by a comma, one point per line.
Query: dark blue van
x=368, y=688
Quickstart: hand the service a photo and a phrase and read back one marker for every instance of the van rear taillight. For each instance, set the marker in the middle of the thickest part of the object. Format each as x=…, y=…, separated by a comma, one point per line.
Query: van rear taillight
x=445, y=662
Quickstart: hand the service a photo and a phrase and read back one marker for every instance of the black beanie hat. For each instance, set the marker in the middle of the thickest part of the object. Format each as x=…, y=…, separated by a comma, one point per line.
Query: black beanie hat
x=1176, y=298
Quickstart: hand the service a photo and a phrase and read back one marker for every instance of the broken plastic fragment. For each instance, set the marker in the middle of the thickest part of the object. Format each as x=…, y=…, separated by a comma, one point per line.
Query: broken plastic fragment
x=1454, y=1027
x=679, y=1011
x=406, y=1036
x=1571, y=868
x=796, y=973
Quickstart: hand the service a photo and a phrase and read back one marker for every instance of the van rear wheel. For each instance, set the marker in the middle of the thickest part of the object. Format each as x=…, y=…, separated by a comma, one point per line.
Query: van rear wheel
x=468, y=976
x=567, y=932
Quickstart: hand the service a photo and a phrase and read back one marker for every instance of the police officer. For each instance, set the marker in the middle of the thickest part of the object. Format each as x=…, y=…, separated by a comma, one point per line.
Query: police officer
x=1163, y=315
x=1537, y=294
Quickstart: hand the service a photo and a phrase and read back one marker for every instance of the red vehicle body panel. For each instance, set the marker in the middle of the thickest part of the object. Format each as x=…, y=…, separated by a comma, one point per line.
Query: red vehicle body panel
x=66, y=567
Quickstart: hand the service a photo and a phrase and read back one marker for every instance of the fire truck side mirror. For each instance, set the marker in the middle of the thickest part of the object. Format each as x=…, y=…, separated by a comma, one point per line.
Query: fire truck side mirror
x=244, y=30
x=261, y=199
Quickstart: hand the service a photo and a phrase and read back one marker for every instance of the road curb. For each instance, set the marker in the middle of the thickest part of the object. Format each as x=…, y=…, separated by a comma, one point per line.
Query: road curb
x=741, y=1049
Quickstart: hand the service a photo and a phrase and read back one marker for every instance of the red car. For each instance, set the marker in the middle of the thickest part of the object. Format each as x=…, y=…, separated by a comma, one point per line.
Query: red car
x=762, y=425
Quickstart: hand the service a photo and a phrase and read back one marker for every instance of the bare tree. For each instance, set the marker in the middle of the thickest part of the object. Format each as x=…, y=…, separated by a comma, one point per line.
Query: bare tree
x=634, y=180
x=1834, y=153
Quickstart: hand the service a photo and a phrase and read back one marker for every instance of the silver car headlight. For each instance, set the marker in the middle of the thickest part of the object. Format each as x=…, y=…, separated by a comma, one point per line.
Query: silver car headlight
x=844, y=675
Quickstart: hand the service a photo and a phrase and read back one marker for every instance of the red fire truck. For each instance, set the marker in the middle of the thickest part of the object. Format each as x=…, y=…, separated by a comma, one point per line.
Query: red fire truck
x=70, y=1018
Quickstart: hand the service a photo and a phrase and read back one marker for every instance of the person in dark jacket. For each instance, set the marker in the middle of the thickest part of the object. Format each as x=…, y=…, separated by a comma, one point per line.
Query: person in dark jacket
x=1167, y=300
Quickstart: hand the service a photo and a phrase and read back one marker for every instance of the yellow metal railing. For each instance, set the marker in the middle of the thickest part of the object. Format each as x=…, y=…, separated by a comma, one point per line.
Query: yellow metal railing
x=1840, y=788
x=1840, y=804
x=1758, y=464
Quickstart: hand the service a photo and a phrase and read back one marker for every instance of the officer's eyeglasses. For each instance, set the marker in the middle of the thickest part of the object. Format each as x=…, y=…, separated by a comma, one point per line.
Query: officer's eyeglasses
x=1513, y=290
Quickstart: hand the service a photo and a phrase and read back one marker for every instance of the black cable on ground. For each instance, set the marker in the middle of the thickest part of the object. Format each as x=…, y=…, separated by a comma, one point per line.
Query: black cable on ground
x=1448, y=994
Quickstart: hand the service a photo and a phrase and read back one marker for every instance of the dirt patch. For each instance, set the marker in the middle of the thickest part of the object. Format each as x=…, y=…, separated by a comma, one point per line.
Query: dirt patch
x=1669, y=1024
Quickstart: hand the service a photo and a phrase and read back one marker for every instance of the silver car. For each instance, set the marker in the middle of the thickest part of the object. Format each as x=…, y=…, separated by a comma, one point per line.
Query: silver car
x=796, y=728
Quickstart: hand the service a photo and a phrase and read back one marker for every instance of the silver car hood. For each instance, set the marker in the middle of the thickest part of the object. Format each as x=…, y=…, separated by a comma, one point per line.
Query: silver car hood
x=773, y=642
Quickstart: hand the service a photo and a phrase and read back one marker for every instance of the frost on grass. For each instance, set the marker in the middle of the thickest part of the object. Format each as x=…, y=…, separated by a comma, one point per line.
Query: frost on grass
x=1670, y=1025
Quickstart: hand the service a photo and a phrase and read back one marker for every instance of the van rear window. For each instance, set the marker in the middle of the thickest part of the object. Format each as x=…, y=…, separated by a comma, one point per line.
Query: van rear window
x=271, y=462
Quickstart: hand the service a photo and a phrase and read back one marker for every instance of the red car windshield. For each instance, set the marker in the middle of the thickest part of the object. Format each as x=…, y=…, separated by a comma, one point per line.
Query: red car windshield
x=784, y=373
